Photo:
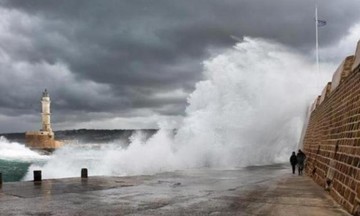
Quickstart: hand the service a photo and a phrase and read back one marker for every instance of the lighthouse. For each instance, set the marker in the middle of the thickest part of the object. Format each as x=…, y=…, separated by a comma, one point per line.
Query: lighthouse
x=45, y=114
x=43, y=139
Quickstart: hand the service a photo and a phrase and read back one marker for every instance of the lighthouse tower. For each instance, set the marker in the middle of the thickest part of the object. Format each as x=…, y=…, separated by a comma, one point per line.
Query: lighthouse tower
x=45, y=114
x=44, y=139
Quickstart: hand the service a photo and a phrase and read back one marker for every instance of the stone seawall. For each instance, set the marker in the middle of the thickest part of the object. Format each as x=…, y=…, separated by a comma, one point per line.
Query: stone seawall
x=42, y=140
x=332, y=138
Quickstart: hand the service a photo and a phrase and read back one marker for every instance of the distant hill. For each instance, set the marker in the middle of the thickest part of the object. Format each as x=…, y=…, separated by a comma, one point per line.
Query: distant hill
x=86, y=135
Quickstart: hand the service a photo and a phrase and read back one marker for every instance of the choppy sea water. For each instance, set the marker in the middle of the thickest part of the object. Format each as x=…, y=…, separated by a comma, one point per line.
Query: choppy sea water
x=17, y=163
x=13, y=170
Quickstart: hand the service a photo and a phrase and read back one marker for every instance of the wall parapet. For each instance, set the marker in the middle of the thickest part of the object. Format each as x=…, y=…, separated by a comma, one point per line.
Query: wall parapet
x=356, y=63
x=342, y=72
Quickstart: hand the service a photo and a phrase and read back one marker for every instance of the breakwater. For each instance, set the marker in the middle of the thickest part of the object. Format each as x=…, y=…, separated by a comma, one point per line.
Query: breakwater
x=332, y=137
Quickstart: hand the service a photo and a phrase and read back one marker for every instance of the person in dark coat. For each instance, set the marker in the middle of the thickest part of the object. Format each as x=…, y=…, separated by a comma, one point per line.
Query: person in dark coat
x=293, y=162
x=300, y=161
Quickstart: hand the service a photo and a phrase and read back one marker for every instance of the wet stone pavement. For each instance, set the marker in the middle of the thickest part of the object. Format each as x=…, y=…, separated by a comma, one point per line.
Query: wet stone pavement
x=263, y=190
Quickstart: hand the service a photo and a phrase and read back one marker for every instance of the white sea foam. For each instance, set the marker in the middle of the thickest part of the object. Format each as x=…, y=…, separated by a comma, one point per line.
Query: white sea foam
x=248, y=110
x=18, y=152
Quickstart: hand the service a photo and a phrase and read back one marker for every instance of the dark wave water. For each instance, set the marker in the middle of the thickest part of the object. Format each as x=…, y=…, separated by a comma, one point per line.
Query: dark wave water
x=13, y=170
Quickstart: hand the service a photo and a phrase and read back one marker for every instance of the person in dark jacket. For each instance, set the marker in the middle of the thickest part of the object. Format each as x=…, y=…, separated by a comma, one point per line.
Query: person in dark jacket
x=293, y=162
x=300, y=161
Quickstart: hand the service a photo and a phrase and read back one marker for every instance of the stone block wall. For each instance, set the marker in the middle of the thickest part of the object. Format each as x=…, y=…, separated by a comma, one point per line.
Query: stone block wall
x=41, y=140
x=332, y=138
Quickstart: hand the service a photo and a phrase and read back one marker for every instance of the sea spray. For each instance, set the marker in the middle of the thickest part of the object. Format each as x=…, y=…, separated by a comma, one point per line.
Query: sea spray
x=14, y=151
x=140, y=157
x=15, y=159
x=248, y=110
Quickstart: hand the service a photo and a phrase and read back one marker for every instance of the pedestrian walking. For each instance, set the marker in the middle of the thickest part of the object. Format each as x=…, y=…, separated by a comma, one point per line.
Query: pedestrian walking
x=300, y=161
x=293, y=162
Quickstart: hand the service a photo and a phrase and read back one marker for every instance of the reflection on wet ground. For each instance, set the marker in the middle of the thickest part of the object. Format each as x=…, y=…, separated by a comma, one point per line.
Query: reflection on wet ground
x=240, y=191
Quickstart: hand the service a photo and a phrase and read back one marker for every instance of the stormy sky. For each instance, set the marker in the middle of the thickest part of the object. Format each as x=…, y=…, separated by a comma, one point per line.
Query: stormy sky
x=128, y=64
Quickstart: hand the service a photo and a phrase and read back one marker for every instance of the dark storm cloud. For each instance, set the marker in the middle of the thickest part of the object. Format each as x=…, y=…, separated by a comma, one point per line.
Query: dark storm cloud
x=118, y=56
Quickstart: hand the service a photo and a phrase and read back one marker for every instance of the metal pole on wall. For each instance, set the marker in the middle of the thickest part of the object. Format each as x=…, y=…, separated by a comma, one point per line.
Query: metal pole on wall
x=317, y=38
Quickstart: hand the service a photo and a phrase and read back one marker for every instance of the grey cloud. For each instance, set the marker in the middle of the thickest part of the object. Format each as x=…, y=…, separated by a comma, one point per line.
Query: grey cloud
x=120, y=54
